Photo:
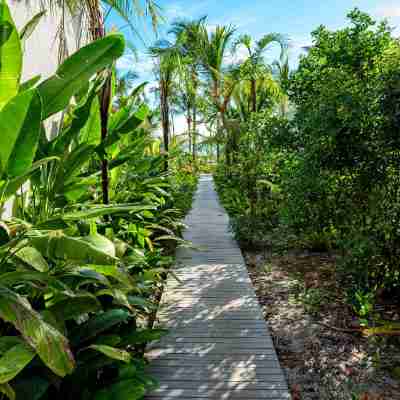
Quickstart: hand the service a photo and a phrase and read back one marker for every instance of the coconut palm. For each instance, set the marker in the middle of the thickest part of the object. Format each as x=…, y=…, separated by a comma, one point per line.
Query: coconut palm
x=282, y=73
x=254, y=66
x=168, y=62
x=187, y=34
x=212, y=50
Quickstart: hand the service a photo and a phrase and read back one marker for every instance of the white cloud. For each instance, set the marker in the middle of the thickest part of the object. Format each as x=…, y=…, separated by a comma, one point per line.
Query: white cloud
x=240, y=55
x=143, y=64
x=174, y=11
x=390, y=10
x=182, y=10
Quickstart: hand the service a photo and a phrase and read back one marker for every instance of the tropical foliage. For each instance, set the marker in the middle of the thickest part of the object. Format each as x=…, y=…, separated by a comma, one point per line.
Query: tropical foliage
x=318, y=164
x=79, y=280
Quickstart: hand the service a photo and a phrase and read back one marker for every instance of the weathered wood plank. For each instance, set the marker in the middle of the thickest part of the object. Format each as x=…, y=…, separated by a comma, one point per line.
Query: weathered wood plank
x=219, y=346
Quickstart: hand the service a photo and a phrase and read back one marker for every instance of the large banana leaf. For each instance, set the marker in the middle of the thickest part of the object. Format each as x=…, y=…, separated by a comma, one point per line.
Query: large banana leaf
x=34, y=258
x=20, y=129
x=15, y=360
x=127, y=125
x=98, y=324
x=73, y=307
x=10, y=56
x=80, y=117
x=62, y=247
x=90, y=132
x=99, y=211
x=9, y=187
x=112, y=352
x=50, y=345
x=74, y=73
x=30, y=26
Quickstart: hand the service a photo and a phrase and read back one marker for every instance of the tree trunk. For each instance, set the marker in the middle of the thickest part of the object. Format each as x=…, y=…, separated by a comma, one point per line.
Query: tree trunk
x=189, y=127
x=164, y=121
x=253, y=95
x=194, y=140
x=104, y=114
x=97, y=31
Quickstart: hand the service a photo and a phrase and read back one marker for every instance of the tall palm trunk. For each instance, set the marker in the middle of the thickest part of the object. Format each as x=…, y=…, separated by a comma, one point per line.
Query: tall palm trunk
x=189, y=127
x=253, y=95
x=97, y=31
x=194, y=140
x=165, y=119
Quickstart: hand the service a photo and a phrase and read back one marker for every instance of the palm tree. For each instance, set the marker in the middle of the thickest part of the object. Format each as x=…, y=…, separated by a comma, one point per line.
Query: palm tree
x=94, y=14
x=187, y=34
x=255, y=66
x=212, y=48
x=168, y=62
x=282, y=73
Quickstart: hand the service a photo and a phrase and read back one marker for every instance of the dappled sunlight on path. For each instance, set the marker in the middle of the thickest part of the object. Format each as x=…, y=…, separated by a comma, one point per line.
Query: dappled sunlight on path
x=219, y=346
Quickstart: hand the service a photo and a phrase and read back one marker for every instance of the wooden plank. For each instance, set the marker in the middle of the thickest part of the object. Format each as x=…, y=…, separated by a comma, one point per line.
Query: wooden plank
x=219, y=346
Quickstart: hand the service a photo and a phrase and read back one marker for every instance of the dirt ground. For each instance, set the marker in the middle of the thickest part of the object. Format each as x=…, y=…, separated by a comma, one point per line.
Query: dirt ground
x=317, y=335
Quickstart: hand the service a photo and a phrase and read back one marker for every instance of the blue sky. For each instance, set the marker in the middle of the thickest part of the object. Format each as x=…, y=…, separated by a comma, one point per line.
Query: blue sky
x=294, y=18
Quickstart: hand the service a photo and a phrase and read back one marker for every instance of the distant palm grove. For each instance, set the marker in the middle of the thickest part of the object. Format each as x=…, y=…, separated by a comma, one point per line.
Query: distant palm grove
x=305, y=158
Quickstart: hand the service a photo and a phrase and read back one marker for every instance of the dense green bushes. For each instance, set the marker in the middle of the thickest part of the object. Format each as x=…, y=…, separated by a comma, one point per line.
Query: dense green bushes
x=330, y=174
x=79, y=279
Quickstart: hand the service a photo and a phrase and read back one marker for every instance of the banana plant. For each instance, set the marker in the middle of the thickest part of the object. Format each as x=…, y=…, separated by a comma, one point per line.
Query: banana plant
x=23, y=108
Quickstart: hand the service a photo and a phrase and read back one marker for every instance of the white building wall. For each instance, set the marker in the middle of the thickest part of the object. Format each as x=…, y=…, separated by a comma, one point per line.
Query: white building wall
x=41, y=52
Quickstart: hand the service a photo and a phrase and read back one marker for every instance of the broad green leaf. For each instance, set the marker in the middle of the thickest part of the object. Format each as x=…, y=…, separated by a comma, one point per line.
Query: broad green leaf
x=20, y=128
x=130, y=389
x=113, y=271
x=105, y=210
x=128, y=126
x=82, y=113
x=6, y=29
x=73, y=307
x=74, y=73
x=119, y=297
x=7, y=342
x=73, y=164
x=98, y=324
x=112, y=352
x=29, y=84
x=15, y=360
x=34, y=258
x=61, y=247
x=134, y=120
x=50, y=345
x=10, y=56
x=7, y=390
x=30, y=26
x=21, y=277
x=102, y=243
x=90, y=133
x=14, y=184
x=53, y=224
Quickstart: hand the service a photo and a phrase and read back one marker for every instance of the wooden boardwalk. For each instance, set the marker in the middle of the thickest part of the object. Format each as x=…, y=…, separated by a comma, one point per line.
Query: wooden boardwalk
x=219, y=346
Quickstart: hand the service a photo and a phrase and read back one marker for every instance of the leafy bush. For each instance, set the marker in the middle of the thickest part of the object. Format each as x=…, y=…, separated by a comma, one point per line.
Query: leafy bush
x=328, y=171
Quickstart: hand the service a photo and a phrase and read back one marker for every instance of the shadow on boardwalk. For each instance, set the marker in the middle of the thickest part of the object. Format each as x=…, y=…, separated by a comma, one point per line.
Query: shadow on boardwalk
x=219, y=346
